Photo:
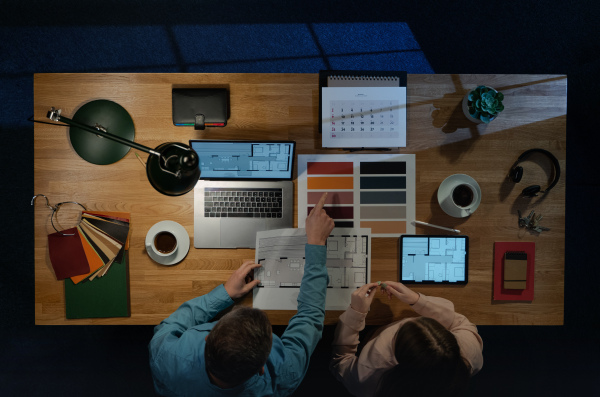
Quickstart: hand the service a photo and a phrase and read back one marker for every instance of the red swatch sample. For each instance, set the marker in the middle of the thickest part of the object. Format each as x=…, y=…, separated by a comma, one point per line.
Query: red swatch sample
x=330, y=168
x=67, y=256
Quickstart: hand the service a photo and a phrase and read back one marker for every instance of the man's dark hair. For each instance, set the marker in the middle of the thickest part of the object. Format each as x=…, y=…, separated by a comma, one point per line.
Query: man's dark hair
x=238, y=345
x=429, y=362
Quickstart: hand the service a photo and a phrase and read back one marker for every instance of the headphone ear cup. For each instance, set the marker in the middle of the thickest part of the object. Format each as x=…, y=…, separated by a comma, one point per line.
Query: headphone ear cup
x=531, y=191
x=516, y=174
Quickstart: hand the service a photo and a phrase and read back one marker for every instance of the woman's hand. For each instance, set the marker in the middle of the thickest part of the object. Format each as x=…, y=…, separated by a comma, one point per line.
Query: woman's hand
x=400, y=291
x=361, y=298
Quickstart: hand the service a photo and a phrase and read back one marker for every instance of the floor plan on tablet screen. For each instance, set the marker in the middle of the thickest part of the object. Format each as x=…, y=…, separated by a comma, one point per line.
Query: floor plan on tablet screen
x=436, y=259
x=281, y=256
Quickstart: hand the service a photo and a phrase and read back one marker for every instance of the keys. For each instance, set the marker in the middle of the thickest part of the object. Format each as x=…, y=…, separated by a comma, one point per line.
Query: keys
x=524, y=222
x=531, y=222
x=540, y=229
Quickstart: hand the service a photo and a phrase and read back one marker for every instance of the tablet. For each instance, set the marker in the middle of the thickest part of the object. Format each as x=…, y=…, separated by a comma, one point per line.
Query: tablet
x=434, y=259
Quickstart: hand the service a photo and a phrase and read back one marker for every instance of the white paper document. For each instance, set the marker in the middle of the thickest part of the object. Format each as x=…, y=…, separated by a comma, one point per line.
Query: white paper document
x=281, y=254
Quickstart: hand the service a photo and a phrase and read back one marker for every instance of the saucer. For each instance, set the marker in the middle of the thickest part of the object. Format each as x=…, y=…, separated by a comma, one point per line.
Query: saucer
x=445, y=192
x=183, y=242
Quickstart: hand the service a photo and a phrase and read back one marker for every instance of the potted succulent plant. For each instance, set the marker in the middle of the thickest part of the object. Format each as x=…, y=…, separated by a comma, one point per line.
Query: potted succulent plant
x=483, y=104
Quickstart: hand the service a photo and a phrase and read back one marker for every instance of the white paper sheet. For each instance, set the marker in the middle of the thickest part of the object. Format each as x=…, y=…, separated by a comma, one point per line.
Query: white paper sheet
x=281, y=254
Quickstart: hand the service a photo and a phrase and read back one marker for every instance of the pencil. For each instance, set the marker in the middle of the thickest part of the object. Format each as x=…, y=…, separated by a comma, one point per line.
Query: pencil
x=437, y=227
x=139, y=158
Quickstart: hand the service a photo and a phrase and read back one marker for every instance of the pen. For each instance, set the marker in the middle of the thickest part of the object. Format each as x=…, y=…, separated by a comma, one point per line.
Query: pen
x=379, y=283
x=437, y=227
x=383, y=149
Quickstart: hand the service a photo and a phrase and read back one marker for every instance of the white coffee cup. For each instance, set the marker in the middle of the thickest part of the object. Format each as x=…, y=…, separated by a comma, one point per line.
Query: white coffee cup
x=465, y=197
x=459, y=195
x=163, y=243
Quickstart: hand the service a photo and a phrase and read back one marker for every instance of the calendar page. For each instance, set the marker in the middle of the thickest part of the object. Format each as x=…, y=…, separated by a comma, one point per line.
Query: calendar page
x=364, y=117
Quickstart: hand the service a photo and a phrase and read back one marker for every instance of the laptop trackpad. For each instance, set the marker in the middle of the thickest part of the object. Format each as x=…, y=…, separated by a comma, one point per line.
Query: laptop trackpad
x=240, y=233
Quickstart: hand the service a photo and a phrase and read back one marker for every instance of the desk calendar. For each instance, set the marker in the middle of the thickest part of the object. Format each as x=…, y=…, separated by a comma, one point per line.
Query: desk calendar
x=364, y=117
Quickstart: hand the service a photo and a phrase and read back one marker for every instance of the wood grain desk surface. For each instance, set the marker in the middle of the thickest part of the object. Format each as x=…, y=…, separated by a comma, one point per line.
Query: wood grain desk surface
x=285, y=106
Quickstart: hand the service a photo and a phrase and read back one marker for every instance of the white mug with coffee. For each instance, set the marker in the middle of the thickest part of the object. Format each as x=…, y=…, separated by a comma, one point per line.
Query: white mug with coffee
x=164, y=243
x=465, y=196
x=459, y=195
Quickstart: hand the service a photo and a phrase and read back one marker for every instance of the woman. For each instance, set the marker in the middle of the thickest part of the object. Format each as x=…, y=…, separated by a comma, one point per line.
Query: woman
x=432, y=355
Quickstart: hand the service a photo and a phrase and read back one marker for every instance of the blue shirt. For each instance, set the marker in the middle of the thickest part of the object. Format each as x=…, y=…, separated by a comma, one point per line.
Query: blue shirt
x=177, y=348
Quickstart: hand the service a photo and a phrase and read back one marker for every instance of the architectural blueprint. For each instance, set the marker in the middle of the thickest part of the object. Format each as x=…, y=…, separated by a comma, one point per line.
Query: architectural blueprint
x=434, y=258
x=244, y=159
x=281, y=254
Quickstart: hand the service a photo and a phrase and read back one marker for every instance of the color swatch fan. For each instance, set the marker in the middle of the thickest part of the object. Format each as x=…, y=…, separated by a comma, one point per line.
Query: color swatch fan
x=99, y=244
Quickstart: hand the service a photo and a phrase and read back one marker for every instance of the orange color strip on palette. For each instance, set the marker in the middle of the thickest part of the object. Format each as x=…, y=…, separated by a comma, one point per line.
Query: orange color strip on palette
x=92, y=257
x=330, y=183
x=331, y=168
x=385, y=227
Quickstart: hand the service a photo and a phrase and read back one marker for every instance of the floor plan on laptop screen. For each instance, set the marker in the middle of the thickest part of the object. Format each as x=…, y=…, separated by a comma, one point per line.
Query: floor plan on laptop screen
x=281, y=254
x=244, y=159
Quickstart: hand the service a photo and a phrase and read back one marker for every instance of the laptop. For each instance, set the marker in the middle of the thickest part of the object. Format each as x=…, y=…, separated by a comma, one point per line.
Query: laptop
x=244, y=187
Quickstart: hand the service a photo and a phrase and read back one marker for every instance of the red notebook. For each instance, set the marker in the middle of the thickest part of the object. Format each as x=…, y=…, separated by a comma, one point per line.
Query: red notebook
x=502, y=294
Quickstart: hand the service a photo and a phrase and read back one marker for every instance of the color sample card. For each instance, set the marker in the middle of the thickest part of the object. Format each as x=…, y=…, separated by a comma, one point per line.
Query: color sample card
x=375, y=191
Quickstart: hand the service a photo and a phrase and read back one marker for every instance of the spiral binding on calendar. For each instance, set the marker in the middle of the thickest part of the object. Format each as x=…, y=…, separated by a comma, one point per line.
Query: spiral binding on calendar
x=362, y=78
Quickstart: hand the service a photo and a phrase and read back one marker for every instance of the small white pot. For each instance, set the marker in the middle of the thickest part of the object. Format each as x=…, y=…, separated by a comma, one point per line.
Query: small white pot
x=465, y=107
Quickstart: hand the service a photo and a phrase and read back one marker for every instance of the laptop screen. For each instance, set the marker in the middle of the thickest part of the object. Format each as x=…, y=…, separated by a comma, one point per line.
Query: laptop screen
x=245, y=159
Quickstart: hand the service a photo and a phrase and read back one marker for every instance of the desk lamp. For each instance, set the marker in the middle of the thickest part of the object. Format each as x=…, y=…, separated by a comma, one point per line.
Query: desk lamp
x=172, y=168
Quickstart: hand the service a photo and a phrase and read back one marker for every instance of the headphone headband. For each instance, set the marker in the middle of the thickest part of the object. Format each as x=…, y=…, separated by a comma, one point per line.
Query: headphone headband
x=517, y=172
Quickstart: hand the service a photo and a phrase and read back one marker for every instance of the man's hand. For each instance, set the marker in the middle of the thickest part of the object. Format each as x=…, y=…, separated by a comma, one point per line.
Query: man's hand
x=241, y=281
x=318, y=224
x=400, y=291
x=361, y=298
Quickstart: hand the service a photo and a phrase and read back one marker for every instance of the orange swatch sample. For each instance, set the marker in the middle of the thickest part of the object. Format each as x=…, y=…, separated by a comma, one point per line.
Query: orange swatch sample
x=330, y=183
x=92, y=257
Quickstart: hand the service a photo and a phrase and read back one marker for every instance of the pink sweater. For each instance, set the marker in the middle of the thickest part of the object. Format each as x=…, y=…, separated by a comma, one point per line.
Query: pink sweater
x=360, y=375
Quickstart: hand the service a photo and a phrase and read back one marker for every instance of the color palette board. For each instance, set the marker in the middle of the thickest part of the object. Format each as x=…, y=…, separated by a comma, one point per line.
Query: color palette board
x=375, y=191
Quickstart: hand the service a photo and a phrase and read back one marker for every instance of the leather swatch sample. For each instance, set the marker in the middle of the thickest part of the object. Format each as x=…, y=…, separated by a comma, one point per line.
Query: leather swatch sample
x=67, y=255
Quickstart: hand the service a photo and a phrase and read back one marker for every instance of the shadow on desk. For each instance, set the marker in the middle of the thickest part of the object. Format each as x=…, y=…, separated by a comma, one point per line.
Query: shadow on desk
x=439, y=217
x=449, y=116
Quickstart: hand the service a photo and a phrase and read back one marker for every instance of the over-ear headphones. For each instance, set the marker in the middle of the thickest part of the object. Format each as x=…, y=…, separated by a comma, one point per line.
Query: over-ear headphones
x=516, y=173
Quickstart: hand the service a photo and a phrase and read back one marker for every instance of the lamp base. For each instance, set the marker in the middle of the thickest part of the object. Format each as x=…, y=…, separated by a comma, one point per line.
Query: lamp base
x=114, y=119
x=165, y=182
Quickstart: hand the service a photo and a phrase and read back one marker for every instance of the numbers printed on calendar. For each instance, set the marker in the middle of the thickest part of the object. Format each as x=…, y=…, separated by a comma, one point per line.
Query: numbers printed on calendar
x=364, y=118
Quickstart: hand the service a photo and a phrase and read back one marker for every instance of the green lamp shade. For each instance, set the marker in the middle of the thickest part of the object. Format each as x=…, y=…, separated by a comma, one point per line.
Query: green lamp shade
x=94, y=148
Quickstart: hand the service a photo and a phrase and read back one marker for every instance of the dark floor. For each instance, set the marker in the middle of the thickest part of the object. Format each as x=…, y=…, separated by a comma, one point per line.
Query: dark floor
x=302, y=37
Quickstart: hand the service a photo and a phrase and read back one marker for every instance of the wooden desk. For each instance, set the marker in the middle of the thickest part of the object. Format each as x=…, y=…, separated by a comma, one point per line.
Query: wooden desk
x=285, y=106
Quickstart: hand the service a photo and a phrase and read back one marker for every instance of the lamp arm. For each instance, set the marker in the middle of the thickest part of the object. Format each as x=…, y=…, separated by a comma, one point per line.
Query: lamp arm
x=54, y=115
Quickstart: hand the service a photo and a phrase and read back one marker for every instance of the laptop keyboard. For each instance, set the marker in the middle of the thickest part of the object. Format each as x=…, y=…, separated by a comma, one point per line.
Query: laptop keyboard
x=242, y=203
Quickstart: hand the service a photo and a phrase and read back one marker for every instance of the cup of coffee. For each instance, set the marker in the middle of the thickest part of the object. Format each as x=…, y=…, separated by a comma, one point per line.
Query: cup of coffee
x=464, y=196
x=164, y=243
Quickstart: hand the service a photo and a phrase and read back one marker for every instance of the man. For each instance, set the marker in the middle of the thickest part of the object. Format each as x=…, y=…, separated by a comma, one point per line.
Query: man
x=239, y=355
